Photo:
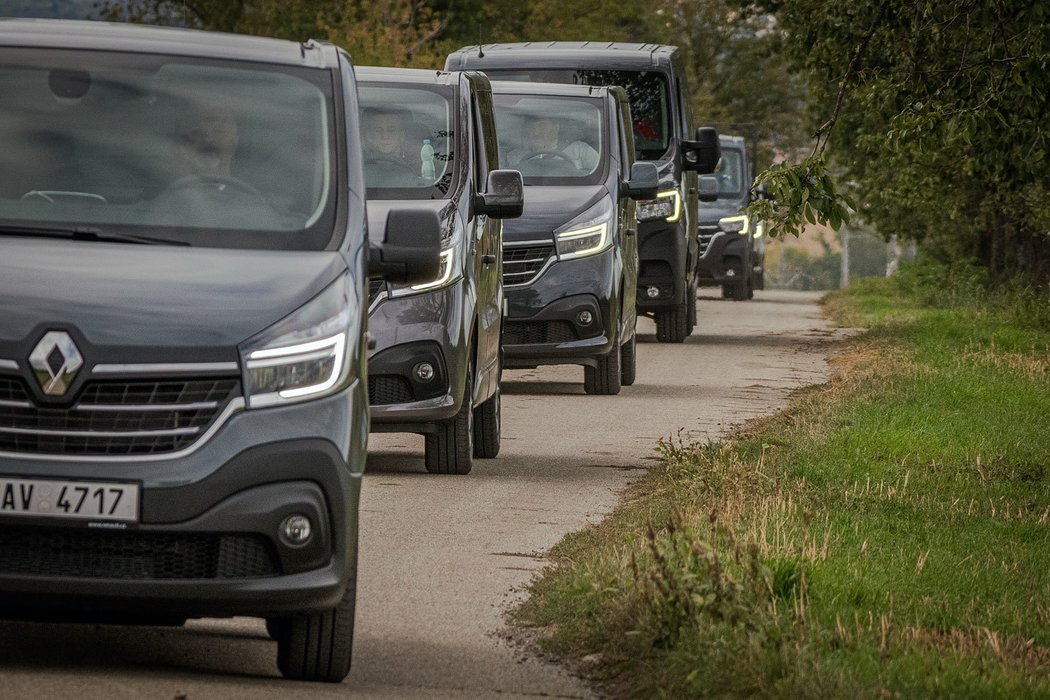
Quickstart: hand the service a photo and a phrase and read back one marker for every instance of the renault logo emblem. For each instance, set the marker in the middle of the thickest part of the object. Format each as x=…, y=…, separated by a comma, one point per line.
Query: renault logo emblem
x=55, y=361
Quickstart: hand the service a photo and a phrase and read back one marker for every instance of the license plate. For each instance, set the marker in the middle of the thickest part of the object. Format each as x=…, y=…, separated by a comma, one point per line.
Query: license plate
x=75, y=500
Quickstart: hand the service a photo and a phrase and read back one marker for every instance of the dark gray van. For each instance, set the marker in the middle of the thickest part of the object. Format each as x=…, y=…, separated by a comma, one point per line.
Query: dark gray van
x=570, y=263
x=655, y=80
x=183, y=271
x=429, y=140
x=732, y=249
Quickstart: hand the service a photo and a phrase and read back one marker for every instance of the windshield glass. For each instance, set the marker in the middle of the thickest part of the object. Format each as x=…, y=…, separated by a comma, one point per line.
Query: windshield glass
x=730, y=174
x=649, y=100
x=214, y=153
x=408, y=140
x=551, y=140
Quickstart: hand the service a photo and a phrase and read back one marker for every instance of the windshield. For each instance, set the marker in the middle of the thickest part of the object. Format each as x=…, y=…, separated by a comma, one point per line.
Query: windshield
x=730, y=174
x=551, y=140
x=649, y=100
x=212, y=153
x=408, y=140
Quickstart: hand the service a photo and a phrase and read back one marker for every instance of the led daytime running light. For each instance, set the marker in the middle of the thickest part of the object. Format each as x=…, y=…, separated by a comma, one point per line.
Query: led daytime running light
x=315, y=350
x=600, y=230
x=677, y=206
x=726, y=222
x=443, y=278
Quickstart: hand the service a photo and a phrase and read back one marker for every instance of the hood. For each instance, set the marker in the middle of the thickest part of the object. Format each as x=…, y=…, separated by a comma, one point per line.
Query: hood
x=711, y=212
x=549, y=208
x=150, y=303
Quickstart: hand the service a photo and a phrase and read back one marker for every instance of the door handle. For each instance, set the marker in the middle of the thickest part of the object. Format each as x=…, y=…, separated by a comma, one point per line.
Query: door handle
x=488, y=258
x=370, y=341
x=630, y=231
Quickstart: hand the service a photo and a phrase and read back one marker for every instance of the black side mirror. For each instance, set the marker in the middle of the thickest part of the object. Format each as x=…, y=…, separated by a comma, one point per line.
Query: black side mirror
x=411, y=249
x=504, y=195
x=703, y=154
x=644, y=182
x=707, y=188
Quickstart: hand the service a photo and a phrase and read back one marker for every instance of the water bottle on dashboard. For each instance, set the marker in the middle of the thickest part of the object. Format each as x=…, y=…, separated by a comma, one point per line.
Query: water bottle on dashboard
x=426, y=154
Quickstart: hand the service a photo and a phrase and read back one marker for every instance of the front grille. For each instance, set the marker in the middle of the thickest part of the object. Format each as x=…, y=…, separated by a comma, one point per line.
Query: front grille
x=134, y=555
x=388, y=388
x=522, y=264
x=536, y=332
x=706, y=235
x=375, y=287
x=129, y=417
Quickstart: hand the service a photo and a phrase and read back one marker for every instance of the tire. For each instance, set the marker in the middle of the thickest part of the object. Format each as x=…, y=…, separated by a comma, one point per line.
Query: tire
x=487, y=427
x=742, y=290
x=727, y=291
x=672, y=326
x=691, y=313
x=450, y=450
x=629, y=361
x=605, y=378
x=318, y=646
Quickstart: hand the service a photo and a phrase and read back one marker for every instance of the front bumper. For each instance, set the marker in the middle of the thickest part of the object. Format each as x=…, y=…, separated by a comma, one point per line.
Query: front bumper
x=663, y=257
x=410, y=330
x=724, y=259
x=543, y=325
x=207, y=541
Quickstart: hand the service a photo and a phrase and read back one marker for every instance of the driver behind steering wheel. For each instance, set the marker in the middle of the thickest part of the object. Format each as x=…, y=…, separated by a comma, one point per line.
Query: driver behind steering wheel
x=384, y=139
x=540, y=140
x=209, y=144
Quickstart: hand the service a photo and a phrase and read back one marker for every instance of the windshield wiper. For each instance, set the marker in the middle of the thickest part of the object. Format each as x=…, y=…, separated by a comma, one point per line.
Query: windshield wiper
x=86, y=233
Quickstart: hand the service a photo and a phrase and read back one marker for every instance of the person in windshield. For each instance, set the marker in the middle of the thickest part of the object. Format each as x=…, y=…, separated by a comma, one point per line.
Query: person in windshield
x=540, y=139
x=389, y=159
x=208, y=144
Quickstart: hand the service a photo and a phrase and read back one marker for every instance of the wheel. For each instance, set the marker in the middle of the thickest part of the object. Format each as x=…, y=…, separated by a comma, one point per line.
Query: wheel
x=691, y=313
x=742, y=290
x=673, y=326
x=628, y=361
x=487, y=427
x=605, y=378
x=727, y=291
x=318, y=646
x=450, y=450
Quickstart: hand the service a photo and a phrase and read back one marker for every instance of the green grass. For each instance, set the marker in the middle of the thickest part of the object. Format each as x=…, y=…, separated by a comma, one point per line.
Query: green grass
x=886, y=535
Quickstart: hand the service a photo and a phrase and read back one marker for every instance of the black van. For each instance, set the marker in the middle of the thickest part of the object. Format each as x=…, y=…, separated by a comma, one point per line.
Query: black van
x=654, y=77
x=732, y=249
x=429, y=139
x=183, y=271
x=570, y=263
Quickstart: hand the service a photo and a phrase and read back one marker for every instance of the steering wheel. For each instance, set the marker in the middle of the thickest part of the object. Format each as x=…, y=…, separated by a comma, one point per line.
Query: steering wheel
x=225, y=184
x=541, y=154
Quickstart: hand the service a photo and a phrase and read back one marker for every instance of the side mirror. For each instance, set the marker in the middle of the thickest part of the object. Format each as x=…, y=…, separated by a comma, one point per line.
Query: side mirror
x=644, y=182
x=411, y=249
x=707, y=188
x=504, y=195
x=703, y=154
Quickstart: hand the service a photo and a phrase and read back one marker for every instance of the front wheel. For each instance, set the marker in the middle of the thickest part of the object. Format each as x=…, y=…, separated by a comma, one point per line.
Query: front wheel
x=629, y=361
x=450, y=450
x=317, y=646
x=605, y=378
x=673, y=326
x=487, y=427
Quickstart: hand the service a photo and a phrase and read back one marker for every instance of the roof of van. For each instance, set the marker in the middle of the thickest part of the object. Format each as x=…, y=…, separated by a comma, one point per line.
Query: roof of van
x=562, y=54
x=92, y=35
x=414, y=76
x=730, y=140
x=556, y=89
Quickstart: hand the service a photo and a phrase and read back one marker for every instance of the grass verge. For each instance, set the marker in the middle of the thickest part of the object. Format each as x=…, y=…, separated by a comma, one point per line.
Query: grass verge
x=886, y=535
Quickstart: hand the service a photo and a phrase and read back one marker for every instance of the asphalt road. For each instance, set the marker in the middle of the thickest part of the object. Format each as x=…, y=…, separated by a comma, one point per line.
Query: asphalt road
x=444, y=557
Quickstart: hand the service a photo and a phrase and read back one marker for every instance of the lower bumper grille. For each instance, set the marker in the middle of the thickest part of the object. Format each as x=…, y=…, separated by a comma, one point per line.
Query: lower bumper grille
x=134, y=555
x=389, y=388
x=538, y=332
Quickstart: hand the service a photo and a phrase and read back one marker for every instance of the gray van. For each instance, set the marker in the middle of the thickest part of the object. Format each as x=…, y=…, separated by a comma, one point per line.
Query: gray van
x=732, y=248
x=429, y=140
x=183, y=267
x=570, y=263
x=654, y=77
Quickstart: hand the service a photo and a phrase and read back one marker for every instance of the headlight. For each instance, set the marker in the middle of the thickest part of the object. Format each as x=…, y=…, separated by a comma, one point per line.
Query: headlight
x=587, y=234
x=734, y=224
x=760, y=229
x=451, y=266
x=667, y=205
x=304, y=355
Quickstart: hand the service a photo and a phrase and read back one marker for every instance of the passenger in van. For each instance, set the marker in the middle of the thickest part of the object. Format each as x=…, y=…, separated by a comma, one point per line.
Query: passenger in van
x=389, y=158
x=210, y=142
x=540, y=139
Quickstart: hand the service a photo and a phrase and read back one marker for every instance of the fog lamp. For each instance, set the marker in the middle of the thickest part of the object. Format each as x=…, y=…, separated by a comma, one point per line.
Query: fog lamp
x=296, y=530
x=652, y=292
x=424, y=371
x=730, y=272
x=584, y=318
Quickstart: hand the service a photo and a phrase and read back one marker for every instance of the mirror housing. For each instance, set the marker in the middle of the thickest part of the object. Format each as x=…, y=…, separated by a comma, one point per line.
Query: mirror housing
x=703, y=154
x=644, y=182
x=504, y=195
x=707, y=188
x=411, y=249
